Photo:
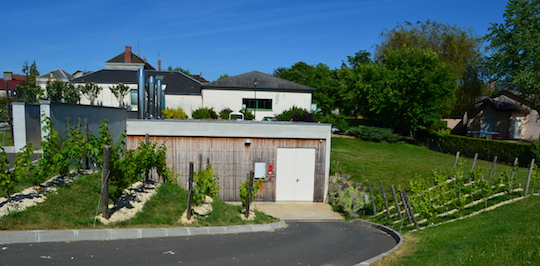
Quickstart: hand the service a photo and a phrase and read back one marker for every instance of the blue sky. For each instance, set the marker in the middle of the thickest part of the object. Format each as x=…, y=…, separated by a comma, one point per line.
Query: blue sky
x=215, y=37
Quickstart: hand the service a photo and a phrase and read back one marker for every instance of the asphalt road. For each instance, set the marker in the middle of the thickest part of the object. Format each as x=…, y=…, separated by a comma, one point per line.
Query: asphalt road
x=300, y=243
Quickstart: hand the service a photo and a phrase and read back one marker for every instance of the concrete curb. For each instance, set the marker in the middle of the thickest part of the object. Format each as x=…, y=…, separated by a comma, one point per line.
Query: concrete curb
x=42, y=236
x=394, y=234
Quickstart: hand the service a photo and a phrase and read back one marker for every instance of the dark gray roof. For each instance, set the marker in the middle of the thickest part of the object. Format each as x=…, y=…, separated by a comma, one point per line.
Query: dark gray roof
x=59, y=74
x=256, y=80
x=177, y=82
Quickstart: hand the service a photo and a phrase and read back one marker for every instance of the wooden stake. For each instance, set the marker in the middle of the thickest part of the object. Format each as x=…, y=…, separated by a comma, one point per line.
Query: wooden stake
x=409, y=206
x=250, y=188
x=457, y=159
x=105, y=172
x=385, y=201
x=372, y=201
x=396, y=202
x=190, y=191
x=493, y=165
x=529, y=178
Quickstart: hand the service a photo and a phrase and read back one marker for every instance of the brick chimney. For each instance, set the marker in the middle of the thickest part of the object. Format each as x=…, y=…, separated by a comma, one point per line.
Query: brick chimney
x=127, y=55
x=159, y=65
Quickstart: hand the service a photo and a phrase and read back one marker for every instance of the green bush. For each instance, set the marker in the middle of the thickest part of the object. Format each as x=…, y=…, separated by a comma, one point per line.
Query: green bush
x=375, y=134
x=244, y=187
x=205, y=184
x=224, y=114
x=296, y=114
x=486, y=149
x=248, y=115
x=177, y=113
x=204, y=113
x=337, y=120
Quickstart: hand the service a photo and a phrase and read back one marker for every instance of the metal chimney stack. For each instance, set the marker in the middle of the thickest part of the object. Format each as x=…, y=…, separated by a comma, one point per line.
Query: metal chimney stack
x=142, y=91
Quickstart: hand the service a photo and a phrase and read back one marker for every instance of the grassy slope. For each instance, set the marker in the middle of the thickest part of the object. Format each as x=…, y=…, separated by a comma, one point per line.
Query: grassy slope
x=393, y=163
x=509, y=235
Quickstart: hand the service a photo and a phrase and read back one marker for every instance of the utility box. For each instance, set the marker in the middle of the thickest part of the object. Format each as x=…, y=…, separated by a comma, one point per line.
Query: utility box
x=260, y=170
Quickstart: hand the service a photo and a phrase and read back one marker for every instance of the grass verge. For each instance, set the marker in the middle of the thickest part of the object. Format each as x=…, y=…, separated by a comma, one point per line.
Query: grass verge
x=75, y=205
x=508, y=235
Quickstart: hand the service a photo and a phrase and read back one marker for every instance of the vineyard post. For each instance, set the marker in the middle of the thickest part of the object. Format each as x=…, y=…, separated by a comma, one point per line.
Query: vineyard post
x=396, y=202
x=410, y=209
x=457, y=159
x=385, y=200
x=407, y=210
x=105, y=172
x=147, y=173
x=493, y=165
x=86, y=133
x=529, y=178
x=372, y=201
x=250, y=188
x=190, y=191
x=474, y=161
x=514, y=167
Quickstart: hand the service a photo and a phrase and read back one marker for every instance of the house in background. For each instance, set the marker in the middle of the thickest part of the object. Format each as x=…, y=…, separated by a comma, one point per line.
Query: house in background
x=263, y=94
x=505, y=115
x=58, y=74
x=10, y=81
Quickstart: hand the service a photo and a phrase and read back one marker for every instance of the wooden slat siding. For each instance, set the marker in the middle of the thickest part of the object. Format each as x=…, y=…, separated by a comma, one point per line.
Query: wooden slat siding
x=231, y=160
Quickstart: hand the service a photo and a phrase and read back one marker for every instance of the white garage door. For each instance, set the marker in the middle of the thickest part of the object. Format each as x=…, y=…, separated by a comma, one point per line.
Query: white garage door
x=295, y=174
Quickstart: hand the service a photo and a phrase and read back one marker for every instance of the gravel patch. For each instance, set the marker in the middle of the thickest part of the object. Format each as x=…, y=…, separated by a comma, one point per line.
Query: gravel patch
x=131, y=202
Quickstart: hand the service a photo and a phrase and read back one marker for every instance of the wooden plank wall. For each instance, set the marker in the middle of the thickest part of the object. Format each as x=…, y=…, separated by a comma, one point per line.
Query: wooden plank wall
x=232, y=160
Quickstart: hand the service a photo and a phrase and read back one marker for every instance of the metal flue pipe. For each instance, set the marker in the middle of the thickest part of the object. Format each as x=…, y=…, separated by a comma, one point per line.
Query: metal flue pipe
x=142, y=91
x=159, y=96
x=151, y=97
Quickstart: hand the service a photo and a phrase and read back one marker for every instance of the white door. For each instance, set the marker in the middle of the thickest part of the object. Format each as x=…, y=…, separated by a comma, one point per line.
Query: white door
x=295, y=174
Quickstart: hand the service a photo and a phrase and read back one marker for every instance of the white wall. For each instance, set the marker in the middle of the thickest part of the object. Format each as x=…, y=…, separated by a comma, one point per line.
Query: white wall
x=281, y=101
x=188, y=103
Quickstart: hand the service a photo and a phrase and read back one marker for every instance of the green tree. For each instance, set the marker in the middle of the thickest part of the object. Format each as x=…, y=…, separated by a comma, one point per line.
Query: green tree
x=33, y=73
x=59, y=91
x=324, y=80
x=91, y=91
x=408, y=88
x=515, y=48
x=224, y=76
x=460, y=48
x=120, y=91
x=180, y=69
x=28, y=92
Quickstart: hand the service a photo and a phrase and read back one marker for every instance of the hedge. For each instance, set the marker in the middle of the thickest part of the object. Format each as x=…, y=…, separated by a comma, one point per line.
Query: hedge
x=506, y=151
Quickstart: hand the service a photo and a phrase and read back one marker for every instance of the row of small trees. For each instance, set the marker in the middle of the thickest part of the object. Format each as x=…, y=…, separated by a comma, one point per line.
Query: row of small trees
x=76, y=150
x=292, y=114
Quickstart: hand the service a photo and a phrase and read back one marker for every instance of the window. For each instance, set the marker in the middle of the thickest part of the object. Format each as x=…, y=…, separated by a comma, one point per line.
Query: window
x=258, y=104
x=134, y=97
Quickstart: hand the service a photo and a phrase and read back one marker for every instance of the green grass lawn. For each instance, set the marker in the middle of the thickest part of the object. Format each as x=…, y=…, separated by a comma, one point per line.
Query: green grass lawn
x=5, y=138
x=509, y=235
x=75, y=204
x=395, y=163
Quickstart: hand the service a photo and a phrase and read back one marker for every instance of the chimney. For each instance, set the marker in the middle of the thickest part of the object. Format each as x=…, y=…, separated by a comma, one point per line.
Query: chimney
x=127, y=55
x=159, y=65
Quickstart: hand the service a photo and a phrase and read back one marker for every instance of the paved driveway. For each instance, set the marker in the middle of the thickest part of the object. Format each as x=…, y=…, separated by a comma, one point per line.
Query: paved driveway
x=300, y=243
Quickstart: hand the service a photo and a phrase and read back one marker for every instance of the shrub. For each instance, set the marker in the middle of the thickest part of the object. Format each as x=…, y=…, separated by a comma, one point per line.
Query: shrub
x=204, y=113
x=205, y=184
x=339, y=121
x=375, y=134
x=177, y=113
x=248, y=115
x=224, y=114
x=296, y=114
x=244, y=191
